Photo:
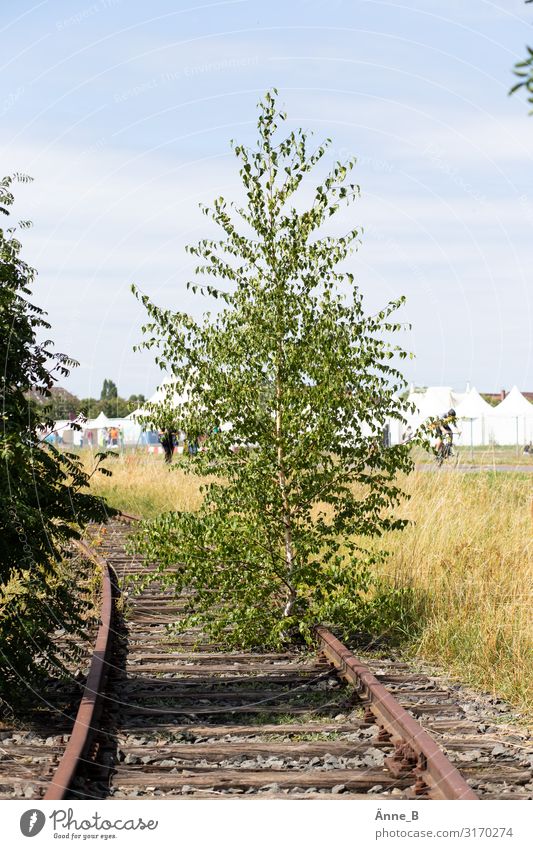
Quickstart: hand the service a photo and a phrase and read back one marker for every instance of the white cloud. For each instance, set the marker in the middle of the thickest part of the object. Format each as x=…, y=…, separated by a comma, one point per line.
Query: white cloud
x=105, y=218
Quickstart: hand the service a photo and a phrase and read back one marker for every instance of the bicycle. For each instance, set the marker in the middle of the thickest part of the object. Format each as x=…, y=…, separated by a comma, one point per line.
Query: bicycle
x=446, y=451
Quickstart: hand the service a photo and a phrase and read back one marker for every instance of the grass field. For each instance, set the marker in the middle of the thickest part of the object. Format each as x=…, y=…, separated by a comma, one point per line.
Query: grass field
x=482, y=455
x=468, y=554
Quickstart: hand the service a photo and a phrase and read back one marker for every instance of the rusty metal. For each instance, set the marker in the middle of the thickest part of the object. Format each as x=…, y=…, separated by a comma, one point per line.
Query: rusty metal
x=417, y=762
x=433, y=771
x=85, y=724
x=403, y=761
x=128, y=517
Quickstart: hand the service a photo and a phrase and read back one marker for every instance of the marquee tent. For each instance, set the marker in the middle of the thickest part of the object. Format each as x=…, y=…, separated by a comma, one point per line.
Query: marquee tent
x=433, y=401
x=98, y=423
x=473, y=414
x=511, y=422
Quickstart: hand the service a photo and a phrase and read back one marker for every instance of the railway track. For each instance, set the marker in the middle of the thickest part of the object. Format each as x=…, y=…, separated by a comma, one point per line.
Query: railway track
x=175, y=717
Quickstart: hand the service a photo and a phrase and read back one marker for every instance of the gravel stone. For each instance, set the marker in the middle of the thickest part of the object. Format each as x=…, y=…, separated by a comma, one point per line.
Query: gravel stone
x=499, y=750
x=468, y=756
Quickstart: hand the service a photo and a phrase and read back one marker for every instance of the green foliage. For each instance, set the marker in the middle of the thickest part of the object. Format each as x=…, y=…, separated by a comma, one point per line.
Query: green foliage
x=62, y=404
x=491, y=399
x=109, y=391
x=291, y=385
x=34, y=603
x=524, y=71
x=112, y=405
x=44, y=493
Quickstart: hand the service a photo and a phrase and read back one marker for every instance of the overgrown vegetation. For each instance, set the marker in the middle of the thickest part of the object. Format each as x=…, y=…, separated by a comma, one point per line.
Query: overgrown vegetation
x=143, y=485
x=467, y=557
x=45, y=498
x=289, y=384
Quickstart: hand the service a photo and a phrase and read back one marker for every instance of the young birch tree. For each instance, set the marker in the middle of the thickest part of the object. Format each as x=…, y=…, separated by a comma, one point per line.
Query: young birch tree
x=291, y=385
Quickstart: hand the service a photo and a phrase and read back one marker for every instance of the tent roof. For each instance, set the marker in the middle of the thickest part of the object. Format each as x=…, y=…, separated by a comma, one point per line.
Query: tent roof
x=102, y=418
x=473, y=406
x=162, y=394
x=100, y=421
x=434, y=401
x=514, y=404
x=165, y=392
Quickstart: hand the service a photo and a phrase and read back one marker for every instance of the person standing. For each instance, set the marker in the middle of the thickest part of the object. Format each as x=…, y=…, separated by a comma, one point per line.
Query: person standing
x=166, y=439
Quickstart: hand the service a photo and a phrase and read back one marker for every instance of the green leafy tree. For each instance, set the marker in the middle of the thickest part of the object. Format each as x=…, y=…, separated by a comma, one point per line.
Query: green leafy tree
x=62, y=404
x=135, y=401
x=290, y=386
x=112, y=407
x=524, y=70
x=44, y=492
x=109, y=391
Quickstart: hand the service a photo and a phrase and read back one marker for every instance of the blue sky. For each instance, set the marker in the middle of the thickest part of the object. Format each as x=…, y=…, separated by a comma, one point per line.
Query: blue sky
x=123, y=111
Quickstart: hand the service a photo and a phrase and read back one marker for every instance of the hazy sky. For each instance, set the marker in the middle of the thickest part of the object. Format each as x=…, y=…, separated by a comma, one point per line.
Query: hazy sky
x=122, y=111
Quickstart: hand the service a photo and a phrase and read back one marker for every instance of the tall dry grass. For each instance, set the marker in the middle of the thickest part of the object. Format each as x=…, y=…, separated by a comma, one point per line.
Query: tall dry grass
x=468, y=555
x=142, y=484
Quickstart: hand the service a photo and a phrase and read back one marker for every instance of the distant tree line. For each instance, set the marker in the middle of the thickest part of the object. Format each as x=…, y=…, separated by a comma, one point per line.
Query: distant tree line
x=491, y=399
x=62, y=404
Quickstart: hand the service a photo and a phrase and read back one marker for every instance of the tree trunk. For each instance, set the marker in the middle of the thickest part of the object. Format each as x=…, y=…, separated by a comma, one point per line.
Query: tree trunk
x=286, y=516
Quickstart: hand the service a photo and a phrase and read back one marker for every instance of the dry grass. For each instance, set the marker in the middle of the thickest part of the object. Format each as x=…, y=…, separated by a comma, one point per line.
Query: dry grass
x=142, y=484
x=480, y=455
x=468, y=554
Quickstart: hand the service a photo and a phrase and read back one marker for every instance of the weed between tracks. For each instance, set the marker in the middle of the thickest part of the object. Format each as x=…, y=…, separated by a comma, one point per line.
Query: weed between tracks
x=468, y=557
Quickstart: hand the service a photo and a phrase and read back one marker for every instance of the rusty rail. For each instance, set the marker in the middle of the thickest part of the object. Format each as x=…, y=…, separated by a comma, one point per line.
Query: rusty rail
x=85, y=724
x=128, y=518
x=416, y=753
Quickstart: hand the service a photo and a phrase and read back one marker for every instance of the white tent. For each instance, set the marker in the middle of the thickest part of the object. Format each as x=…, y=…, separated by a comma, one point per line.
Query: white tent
x=95, y=427
x=397, y=430
x=472, y=412
x=431, y=402
x=100, y=421
x=163, y=394
x=166, y=392
x=61, y=433
x=511, y=422
x=131, y=430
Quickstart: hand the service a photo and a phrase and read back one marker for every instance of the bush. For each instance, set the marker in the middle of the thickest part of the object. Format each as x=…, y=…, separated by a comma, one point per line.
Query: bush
x=45, y=500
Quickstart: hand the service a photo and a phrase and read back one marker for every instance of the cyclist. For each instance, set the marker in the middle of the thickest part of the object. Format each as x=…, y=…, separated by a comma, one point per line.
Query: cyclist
x=442, y=427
